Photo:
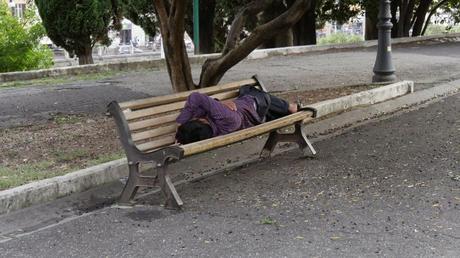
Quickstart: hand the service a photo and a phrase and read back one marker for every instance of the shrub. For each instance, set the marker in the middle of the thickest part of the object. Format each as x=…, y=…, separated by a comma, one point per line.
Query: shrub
x=339, y=38
x=20, y=47
x=436, y=29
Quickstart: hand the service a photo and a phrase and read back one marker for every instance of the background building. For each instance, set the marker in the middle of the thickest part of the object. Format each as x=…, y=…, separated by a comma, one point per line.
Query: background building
x=17, y=7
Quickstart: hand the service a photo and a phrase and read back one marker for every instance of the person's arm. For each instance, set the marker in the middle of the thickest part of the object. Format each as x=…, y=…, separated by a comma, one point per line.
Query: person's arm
x=229, y=104
x=200, y=105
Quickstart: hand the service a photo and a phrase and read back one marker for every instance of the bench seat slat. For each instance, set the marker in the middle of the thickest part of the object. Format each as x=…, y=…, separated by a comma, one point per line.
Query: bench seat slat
x=166, y=140
x=161, y=100
x=212, y=143
x=154, y=132
x=173, y=106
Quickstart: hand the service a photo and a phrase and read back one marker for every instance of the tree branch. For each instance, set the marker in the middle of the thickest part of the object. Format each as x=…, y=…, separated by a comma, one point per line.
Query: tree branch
x=213, y=69
x=238, y=23
x=433, y=11
x=162, y=14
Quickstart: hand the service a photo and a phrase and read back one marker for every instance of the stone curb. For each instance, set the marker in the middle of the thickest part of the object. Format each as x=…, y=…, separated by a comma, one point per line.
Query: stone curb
x=368, y=97
x=149, y=64
x=79, y=181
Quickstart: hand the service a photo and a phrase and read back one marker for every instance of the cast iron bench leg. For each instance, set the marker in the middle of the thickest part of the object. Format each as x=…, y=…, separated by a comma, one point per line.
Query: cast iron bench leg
x=135, y=180
x=131, y=187
x=173, y=200
x=298, y=136
x=303, y=140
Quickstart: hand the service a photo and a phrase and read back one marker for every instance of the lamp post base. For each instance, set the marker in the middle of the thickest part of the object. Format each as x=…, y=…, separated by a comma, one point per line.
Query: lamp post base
x=384, y=77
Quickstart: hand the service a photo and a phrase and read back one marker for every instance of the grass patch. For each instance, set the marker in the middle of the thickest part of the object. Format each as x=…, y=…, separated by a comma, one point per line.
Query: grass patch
x=105, y=158
x=267, y=221
x=26, y=173
x=59, y=80
x=61, y=119
x=71, y=155
x=437, y=29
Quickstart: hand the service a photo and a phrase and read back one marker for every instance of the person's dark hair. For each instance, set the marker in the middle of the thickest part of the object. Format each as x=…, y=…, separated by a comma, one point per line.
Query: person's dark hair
x=193, y=131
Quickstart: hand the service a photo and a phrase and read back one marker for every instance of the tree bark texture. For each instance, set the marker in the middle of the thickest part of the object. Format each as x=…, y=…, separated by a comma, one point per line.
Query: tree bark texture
x=207, y=11
x=372, y=10
x=371, y=31
x=408, y=18
x=234, y=51
x=420, y=16
x=283, y=39
x=394, y=9
x=85, y=55
x=171, y=17
x=304, y=31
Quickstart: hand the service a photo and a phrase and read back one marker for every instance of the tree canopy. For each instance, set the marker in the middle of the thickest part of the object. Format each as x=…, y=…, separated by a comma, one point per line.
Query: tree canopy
x=20, y=47
x=76, y=25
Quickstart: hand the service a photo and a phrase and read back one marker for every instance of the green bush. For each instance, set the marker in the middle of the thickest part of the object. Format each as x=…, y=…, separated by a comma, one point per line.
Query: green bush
x=436, y=29
x=20, y=47
x=339, y=38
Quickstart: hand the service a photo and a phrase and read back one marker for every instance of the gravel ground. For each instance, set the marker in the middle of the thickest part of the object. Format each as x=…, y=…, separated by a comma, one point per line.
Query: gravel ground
x=389, y=188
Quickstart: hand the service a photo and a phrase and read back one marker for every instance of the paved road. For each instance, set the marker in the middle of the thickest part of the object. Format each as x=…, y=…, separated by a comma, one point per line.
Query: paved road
x=388, y=188
x=426, y=64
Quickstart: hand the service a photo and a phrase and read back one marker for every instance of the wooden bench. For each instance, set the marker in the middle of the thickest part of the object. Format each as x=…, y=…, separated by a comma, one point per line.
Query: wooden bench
x=147, y=132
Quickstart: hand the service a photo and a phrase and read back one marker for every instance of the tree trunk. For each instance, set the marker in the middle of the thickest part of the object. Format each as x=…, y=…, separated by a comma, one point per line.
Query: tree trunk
x=420, y=16
x=207, y=11
x=394, y=9
x=371, y=16
x=305, y=29
x=408, y=18
x=371, y=28
x=178, y=65
x=171, y=18
x=402, y=18
x=85, y=56
x=234, y=51
x=272, y=11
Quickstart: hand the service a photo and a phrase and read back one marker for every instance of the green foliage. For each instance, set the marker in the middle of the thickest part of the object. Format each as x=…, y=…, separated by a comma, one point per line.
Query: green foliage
x=332, y=10
x=436, y=29
x=451, y=11
x=141, y=13
x=339, y=38
x=20, y=47
x=76, y=25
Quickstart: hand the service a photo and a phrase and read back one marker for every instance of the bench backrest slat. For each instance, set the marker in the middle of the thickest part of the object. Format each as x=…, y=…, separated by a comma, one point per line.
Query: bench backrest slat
x=172, y=106
x=139, y=125
x=164, y=141
x=154, y=132
x=181, y=96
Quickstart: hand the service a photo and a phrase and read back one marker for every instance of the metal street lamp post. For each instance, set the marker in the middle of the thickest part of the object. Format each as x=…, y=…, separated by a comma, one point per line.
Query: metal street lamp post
x=383, y=68
x=196, y=25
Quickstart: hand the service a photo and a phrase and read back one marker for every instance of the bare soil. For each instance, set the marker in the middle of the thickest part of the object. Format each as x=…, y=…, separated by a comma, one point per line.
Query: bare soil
x=70, y=142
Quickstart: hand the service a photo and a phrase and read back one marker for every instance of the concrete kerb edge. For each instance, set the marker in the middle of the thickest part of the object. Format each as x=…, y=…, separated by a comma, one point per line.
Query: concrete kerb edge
x=60, y=186
x=256, y=54
x=79, y=181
